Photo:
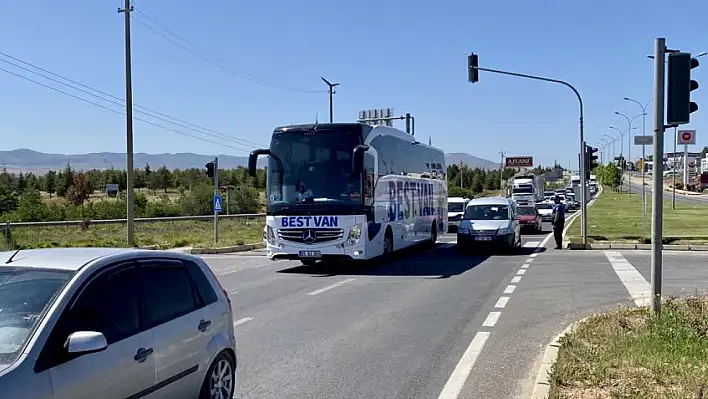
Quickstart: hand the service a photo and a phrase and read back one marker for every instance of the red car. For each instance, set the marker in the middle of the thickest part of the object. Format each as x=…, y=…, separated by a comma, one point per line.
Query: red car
x=529, y=218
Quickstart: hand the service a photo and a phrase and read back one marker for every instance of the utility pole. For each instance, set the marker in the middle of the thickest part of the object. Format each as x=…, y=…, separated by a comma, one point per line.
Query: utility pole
x=657, y=179
x=461, y=176
x=216, y=194
x=501, y=169
x=129, y=197
x=331, y=92
x=673, y=170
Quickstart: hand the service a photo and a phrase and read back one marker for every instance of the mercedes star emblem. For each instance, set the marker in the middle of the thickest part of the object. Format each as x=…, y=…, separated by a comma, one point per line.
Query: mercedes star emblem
x=309, y=236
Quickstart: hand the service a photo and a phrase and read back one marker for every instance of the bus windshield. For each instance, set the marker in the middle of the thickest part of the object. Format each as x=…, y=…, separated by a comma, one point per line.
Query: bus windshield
x=313, y=172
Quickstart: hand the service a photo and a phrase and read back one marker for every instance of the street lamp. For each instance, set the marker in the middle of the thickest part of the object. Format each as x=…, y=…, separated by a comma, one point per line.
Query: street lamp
x=612, y=140
x=331, y=92
x=629, y=145
x=644, y=133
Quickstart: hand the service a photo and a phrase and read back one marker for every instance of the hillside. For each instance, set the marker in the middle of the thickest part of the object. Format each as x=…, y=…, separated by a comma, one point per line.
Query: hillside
x=38, y=162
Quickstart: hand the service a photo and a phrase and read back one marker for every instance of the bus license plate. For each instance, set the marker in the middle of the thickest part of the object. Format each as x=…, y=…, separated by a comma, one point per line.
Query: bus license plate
x=483, y=238
x=310, y=254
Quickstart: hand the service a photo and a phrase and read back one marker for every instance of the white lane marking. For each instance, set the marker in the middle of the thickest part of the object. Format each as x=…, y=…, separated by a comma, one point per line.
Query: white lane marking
x=535, y=254
x=637, y=286
x=529, y=260
x=525, y=266
x=515, y=279
x=531, y=244
x=233, y=293
x=329, y=287
x=242, y=321
x=544, y=243
x=240, y=269
x=509, y=289
x=491, y=319
x=521, y=272
x=453, y=386
x=501, y=302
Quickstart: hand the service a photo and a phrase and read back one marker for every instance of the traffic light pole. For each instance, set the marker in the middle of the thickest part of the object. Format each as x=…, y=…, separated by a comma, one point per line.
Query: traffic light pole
x=657, y=198
x=583, y=180
x=216, y=192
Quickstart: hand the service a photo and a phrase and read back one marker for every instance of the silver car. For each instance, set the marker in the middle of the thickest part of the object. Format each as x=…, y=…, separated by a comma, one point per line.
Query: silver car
x=490, y=222
x=113, y=323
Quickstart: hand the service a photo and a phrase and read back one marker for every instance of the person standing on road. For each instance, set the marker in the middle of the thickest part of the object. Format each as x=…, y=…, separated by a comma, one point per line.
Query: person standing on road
x=558, y=221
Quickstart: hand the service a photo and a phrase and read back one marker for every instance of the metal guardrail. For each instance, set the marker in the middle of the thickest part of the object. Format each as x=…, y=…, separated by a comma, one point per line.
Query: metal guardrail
x=77, y=223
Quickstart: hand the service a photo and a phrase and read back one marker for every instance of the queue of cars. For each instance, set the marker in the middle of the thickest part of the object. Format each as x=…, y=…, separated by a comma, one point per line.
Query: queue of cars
x=113, y=323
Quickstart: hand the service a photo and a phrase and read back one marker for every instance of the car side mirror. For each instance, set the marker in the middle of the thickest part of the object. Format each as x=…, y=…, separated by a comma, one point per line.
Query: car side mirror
x=86, y=342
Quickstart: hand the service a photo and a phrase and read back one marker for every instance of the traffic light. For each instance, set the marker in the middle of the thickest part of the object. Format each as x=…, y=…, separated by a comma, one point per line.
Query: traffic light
x=680, y=85
x=210, y=169
x=472, y=71
x=592, y=157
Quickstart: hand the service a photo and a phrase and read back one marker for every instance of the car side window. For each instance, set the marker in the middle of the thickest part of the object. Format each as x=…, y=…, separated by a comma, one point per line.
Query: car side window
x=201, y=282
x=168, y=291
x=108, y=304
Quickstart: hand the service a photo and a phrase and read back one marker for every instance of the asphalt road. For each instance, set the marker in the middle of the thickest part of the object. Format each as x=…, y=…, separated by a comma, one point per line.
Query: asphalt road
x=637, y=188
x=430, y=324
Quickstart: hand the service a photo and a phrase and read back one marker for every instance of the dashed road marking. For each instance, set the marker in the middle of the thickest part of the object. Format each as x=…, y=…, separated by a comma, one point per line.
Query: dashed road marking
x=501, y=302
x=329, y=287
x=521, y=272
x=242, y=321
x=515, y=279
x=533, y=255
x=525, y=266
x=531, y=244
x=453, y=386
x=509, y=289
x=491, y=319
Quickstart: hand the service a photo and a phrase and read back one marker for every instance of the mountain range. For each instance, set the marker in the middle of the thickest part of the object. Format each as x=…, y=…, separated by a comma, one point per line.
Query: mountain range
x=26, y=160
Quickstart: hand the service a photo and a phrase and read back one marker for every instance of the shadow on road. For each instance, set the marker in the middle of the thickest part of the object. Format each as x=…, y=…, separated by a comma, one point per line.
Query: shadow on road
x=441, y=262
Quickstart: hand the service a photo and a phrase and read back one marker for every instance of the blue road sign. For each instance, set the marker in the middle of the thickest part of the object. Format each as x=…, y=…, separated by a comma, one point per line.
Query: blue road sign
x=217, y=203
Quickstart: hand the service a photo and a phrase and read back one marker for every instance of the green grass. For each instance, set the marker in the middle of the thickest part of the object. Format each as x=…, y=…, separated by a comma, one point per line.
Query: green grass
x=618, y=218
x=629, y=354
x=165, y=234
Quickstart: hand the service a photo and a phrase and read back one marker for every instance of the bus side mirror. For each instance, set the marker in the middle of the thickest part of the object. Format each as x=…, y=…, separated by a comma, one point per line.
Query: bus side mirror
x=358, y=158
x=253, y=160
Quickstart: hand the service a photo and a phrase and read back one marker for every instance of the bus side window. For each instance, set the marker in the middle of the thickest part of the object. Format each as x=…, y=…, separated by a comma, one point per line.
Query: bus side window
x=368, y=179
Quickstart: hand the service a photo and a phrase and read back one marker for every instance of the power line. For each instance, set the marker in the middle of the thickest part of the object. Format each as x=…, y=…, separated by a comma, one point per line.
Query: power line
x=205, y=56
x=116, y=111
x=119, y=101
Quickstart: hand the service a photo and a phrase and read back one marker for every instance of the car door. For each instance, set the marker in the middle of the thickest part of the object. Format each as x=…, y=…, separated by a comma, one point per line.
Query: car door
x=108, y=304
x=181, y=326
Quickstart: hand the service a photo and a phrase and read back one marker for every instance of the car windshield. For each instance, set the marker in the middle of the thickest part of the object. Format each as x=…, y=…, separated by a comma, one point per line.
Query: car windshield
x=526, y=210
x=455, y=207
x=310, y=169
x=24, y=295
x=487, y=212
x=544, y=206
x=522, y=190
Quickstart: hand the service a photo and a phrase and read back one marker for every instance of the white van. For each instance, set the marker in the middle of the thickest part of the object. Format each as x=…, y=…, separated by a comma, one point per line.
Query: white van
x=455, y=210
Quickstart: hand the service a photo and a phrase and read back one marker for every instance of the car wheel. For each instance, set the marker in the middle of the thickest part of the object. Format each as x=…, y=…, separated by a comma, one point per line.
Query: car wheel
x=388, y=245
x=220, y=378
x=433, y=235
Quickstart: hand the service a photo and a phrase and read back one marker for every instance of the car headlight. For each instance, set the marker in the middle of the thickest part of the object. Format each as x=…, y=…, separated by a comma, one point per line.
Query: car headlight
x=504, y=231
x=355, y=232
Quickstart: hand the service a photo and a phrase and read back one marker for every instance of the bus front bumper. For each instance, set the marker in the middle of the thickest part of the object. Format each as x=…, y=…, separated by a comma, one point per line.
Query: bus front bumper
x=345, y=250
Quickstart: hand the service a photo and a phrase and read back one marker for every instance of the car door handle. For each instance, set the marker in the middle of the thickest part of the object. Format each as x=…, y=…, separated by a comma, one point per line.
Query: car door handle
x=203, y=324
x=142, y=354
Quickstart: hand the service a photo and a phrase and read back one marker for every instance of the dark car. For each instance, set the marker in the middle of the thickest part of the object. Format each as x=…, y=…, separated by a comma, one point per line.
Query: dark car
x=530, y=219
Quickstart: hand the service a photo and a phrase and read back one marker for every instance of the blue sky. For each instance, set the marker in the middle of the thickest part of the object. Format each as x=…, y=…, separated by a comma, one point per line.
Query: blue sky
x=409, y=55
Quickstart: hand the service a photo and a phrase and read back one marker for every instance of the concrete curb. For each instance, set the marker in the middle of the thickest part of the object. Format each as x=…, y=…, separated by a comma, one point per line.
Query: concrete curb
x=543, y=380
x=632, y=246
x=225, y=250
x=210, y=251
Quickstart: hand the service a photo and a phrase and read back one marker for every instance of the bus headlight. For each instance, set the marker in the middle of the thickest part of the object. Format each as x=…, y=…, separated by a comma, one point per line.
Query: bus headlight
x=269, y=235
x=355, y=233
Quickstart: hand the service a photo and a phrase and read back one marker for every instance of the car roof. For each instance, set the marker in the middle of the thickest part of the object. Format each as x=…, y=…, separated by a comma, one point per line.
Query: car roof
x=490, y=201
x=72, y=259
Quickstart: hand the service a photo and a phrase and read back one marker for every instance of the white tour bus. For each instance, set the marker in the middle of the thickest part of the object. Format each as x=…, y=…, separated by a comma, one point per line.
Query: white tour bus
x=350, y=191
